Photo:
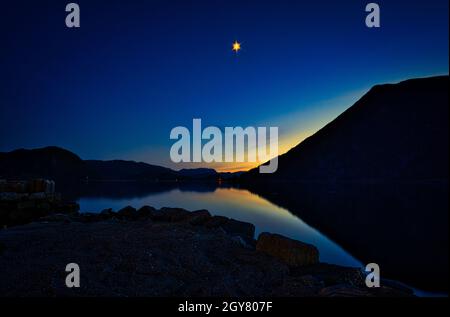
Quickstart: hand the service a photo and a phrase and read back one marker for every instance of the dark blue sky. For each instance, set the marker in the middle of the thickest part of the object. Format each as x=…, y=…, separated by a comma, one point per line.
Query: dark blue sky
x=115, y=87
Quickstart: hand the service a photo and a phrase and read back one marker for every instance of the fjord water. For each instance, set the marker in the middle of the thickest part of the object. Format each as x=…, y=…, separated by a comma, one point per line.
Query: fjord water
x=239, y=204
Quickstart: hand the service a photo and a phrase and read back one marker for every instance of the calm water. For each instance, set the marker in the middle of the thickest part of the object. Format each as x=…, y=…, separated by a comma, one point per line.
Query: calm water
x=233, y=203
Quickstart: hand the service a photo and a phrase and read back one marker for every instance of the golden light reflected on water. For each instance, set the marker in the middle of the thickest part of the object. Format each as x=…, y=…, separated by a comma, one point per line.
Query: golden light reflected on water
x=233, y=203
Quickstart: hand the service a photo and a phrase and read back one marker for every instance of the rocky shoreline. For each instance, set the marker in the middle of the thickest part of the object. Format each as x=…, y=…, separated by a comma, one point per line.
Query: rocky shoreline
x=168, y=252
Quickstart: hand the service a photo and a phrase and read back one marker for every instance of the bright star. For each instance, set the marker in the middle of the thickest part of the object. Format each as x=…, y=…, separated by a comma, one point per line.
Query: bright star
x=236, y=46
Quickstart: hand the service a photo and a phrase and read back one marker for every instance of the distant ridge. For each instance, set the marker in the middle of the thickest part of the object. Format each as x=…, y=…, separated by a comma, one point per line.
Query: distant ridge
x=62, y=165
x=198, y=172
x=49, y=162
x=59, y=164
x=127, y=170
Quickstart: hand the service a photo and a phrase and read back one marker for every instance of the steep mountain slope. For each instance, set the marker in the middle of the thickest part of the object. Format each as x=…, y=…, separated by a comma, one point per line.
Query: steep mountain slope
x=394, y=132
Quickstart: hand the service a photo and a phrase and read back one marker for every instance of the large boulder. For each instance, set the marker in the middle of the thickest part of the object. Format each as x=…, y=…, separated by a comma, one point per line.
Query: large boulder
x=292, y=252
x=67, y=207
x=232, y=226
x=171, y=214
x=127, y=213
x=199, y=217
x=239, y=228
x=107, y=214
x=146, y=212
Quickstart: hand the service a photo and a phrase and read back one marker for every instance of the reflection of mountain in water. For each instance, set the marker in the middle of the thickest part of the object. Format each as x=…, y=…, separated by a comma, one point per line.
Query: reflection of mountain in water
x=130, y=190
x=366, y=219
x=402, y=227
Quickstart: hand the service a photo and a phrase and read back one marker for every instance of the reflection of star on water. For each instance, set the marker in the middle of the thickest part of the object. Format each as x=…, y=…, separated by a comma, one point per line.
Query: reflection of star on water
x=236, y=46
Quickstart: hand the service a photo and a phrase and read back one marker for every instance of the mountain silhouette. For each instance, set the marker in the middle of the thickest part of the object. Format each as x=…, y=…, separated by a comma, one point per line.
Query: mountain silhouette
x=126, y=170
x=64, y=166
x=198, y=172
x=49, y=162
x=394, y=132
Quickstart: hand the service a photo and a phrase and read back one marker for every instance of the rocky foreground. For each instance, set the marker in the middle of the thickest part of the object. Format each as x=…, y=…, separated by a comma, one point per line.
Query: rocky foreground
x=167, y=252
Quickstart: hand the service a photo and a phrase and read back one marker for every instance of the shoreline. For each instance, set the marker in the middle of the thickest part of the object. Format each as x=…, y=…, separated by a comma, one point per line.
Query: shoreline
x=169, y=252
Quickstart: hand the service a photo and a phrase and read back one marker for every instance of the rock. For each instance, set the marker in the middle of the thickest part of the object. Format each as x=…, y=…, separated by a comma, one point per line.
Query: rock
x=344, y=290
x=27, y=204
x=37, y=186
x=385, y=291
x=147, y=259
x=8, y=196
x=171, y=214
x=89, y=217
x=127, y=213
x=292, y=252
x=107, y=211
x=15, y=187
x=395, y=285
x=310, y=281
x=239, y=228
x=231, y=226
x=43, y=206
x=22, y=216
x=199, y=217
x=106, y=214
x=58, y=218
x=28, y=186
x=216, y=221
x=67, y=207
x=38, y=196
x=50, y=187
x=242, y=242
x=331, y=274
x=146, y=212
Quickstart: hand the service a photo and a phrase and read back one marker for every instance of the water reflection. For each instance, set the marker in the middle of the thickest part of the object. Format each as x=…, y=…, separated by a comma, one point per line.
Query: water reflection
x=233, y=203
x=401, y=226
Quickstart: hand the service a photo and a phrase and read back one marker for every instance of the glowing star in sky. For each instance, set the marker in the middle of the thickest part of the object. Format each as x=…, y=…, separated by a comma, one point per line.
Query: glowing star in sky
x=236, y=46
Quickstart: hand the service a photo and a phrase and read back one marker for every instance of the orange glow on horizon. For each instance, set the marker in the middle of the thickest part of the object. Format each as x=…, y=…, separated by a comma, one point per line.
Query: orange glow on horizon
x=285, y=145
